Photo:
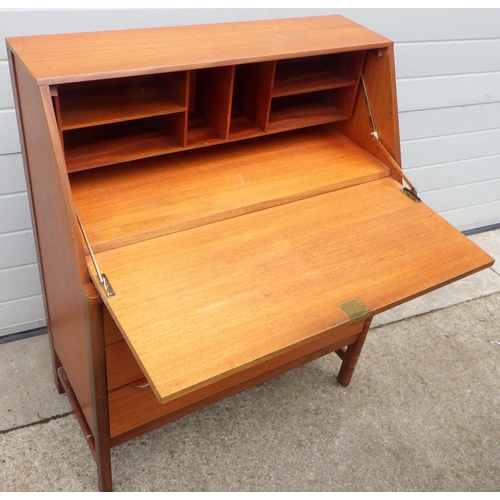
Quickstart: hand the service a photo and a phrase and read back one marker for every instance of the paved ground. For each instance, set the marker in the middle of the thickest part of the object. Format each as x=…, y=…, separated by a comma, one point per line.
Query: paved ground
x=421, y=414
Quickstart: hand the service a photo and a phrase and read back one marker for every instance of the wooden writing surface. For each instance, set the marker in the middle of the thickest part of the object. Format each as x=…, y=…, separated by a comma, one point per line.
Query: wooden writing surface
x=236, y=292
x=131, y=202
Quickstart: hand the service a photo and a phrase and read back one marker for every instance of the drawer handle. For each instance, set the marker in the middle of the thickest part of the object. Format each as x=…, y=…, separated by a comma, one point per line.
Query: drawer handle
x=142, y=386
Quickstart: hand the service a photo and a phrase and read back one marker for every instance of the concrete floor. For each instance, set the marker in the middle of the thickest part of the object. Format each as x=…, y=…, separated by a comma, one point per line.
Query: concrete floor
x=421, y=414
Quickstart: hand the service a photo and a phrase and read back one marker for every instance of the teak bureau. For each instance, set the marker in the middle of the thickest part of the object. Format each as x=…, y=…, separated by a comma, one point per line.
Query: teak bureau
x=213, y=206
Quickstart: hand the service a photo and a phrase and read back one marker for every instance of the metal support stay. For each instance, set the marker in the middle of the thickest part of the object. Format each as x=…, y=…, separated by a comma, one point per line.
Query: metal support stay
x=411, y=190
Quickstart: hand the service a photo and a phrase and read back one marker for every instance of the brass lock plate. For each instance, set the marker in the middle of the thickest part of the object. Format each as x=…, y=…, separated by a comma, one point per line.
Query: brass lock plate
x=354, y=309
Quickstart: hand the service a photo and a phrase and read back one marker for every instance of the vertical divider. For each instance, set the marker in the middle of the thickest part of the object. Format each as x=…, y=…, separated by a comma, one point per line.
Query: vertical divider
x=214, y=92
x=267, y=81
x=252, y=93
x=187, y=104
x=177, y=85
x=175, y=124
x=351, y=64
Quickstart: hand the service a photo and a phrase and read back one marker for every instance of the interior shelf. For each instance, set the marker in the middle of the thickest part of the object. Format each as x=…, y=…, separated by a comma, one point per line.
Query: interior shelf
x=305, y=111
x=300, y=77
x=110, y=101
x=88, y=109
x=116, y=143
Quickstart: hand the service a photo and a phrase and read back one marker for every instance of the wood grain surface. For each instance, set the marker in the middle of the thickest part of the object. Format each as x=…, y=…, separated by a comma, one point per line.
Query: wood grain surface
x=136, y=201
x=234, y=293
x=87, y=56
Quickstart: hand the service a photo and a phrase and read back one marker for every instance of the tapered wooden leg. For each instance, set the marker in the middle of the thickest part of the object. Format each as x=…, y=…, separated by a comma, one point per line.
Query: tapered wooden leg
x=98, y=379
x=100, y=452
x=103, y=462
x=350, y=356
x=97, y=437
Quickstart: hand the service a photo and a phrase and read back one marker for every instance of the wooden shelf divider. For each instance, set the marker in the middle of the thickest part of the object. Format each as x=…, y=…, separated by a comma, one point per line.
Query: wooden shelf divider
x=201, y=107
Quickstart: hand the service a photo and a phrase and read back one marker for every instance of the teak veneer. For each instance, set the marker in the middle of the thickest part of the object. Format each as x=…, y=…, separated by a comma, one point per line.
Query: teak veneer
x=231, y=189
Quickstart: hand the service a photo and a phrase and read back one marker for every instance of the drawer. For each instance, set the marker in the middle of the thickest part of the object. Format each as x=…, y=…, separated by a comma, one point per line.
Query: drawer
x=134, y=409
x=121, y=365
x=111, y=332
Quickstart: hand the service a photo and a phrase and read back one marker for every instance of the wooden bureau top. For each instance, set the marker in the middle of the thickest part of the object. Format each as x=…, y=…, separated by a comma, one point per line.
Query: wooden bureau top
x=72, y=57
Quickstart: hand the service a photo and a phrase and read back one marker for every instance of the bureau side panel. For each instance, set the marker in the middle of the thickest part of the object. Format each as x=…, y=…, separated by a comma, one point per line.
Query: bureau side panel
x=57, y=244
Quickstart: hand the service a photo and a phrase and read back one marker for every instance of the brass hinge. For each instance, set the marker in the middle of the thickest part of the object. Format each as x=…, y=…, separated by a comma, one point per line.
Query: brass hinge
x=102, y=277
x=411, y=195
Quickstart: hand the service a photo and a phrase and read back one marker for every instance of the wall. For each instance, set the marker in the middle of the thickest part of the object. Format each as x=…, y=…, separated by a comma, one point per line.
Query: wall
x=448, y=81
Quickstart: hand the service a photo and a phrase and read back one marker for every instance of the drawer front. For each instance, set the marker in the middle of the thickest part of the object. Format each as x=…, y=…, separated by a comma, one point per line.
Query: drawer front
x=134, y=409
x=121, y=367
x=111, y=332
